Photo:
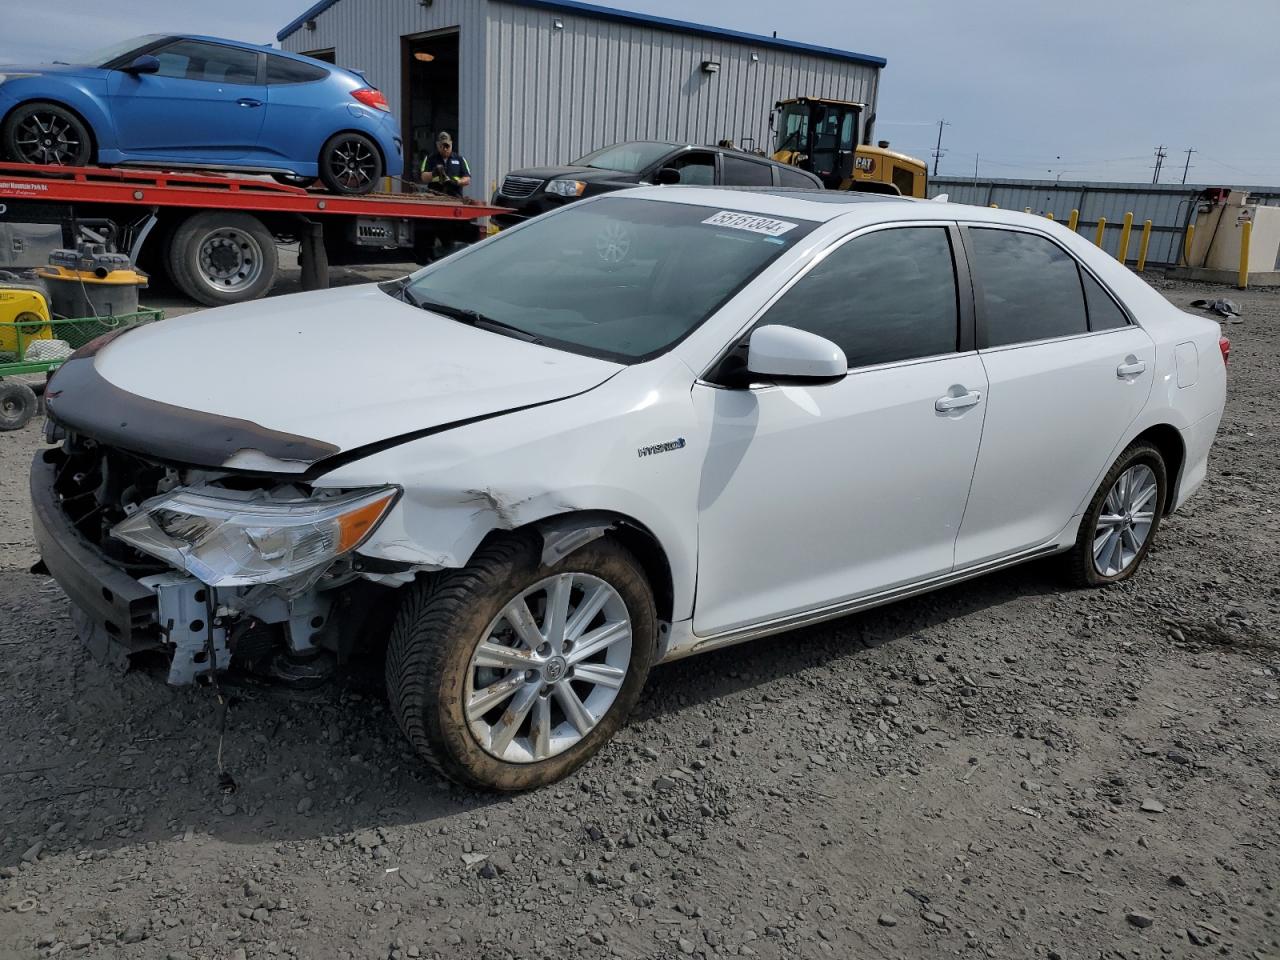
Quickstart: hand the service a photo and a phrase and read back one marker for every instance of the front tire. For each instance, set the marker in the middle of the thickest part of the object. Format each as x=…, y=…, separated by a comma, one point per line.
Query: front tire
x=46, y=133
x=1121, y=523
x=508, y=674
x=350, y=163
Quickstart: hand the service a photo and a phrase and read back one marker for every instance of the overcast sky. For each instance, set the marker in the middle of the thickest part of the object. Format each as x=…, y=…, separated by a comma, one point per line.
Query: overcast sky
x=1086, y=88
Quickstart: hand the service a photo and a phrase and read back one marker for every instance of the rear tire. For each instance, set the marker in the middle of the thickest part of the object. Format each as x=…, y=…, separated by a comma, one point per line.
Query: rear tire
x=46, y=133
x=218, y=258
x=18, y=404
x=1120, y=525
x=351, y=163
x=433, y=673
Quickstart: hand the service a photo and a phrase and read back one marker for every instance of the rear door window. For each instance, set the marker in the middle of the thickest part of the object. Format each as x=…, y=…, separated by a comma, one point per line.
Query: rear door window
x=881, y=297
x=741, y=172
x=1029, y=288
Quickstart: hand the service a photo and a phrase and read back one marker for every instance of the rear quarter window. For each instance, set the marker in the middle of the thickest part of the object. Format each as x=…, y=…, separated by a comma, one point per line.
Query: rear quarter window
x=282, y=70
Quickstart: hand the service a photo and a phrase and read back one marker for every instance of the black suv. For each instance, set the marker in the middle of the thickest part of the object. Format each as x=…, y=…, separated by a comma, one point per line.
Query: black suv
x=536, y=190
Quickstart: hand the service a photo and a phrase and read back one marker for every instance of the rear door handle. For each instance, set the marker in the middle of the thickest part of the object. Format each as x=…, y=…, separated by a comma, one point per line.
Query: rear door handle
x=1131, y=368
x=948, y=403
x=249, y=102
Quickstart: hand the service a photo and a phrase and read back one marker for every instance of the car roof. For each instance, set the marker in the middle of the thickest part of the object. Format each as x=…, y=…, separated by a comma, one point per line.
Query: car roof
x=823, y=205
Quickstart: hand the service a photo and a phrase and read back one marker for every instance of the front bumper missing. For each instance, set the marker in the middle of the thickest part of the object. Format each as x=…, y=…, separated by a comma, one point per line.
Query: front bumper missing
x=115, y=615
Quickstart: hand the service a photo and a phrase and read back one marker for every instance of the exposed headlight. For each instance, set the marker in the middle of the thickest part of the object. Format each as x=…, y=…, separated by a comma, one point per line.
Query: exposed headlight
x=230, y=541
x=566, y=188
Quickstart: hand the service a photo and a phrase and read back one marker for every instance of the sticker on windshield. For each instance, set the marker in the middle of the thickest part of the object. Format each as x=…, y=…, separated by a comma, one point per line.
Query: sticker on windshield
x=750, y=222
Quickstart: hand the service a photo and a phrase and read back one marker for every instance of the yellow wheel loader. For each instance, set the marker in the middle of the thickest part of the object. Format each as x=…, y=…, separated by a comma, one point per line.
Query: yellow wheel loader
x=831, y=138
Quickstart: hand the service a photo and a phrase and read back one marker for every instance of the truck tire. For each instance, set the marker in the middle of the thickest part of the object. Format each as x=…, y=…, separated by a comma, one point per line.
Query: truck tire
x=18, y=404
x=498, y=706
x=220, y=257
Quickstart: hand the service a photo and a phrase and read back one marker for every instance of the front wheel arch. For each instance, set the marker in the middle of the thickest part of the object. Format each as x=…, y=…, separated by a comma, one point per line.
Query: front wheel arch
x=643, y=544
x=94, y=140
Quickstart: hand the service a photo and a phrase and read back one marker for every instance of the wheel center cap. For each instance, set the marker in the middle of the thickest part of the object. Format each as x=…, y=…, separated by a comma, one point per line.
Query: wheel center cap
x=555, y=669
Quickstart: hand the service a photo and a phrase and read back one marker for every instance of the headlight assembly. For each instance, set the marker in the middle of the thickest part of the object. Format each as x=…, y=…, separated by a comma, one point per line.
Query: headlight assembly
x=566, y=188
x=230, y=539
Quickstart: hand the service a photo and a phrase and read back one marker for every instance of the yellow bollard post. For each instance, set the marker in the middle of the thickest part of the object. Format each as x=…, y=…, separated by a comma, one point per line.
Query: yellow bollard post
x=1102, y=229
x=994, y=206
x=1143, y=244
x=1073, y=221
x=1245, y=232
x=1123, y=253
x=1049, y=215
x=1026, y=209
x=1186, y=244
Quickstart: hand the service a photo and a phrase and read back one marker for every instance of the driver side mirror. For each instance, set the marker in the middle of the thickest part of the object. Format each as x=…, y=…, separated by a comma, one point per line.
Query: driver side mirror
x=143, y=64
x=788, y=355
x=667, y=176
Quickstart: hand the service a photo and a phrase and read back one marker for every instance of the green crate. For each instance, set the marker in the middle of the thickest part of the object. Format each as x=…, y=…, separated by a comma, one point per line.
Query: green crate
x=75, y=332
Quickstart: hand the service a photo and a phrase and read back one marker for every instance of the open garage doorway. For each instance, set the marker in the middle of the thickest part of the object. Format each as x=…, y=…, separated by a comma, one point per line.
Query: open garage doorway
x=430, y=100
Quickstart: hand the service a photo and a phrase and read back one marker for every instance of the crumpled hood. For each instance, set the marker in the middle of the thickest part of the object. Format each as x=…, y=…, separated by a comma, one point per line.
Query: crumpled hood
x=345, y=368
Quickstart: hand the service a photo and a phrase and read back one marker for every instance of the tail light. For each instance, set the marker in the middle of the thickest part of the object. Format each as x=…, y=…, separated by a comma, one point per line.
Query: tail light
x=372, y=98
x=1225, y=346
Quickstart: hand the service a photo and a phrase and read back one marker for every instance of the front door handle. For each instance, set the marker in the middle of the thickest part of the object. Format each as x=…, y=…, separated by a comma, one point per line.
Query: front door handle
x=1131, y=368
x=249, y=102
x=948, y=403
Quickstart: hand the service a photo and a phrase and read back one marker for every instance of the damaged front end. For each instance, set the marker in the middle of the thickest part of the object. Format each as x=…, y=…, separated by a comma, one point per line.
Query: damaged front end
x=207, y=567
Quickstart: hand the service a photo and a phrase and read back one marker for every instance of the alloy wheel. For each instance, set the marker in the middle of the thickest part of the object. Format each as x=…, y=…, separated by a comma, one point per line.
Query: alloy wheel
x=353, y=164
x=230, y=259
x=1125, y=522
x=548, y=668
x=44, y=137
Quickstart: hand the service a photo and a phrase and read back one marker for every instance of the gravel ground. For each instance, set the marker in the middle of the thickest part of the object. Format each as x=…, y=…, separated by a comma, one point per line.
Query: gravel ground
x=1007, y=768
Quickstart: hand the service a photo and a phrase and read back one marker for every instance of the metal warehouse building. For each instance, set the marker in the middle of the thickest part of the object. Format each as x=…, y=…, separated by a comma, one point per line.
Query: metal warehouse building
x=525, y=82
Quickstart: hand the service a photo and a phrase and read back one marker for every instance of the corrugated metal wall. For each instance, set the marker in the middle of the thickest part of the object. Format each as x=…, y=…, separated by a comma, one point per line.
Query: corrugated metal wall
x=533, y=94
x=1165, y=205
x=556, y=94
x=365, y=35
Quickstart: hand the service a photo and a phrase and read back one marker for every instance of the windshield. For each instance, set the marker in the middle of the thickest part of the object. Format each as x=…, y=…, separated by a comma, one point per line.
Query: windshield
x=633, y=157
x=104, y=55
x=617, y=277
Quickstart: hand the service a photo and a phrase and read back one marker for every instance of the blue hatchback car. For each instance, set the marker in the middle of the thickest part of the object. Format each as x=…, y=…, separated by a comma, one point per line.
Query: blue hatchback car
x=189, y=101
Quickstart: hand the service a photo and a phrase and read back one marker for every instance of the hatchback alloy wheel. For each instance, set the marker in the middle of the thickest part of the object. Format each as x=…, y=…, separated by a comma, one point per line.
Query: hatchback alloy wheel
x=48, y=134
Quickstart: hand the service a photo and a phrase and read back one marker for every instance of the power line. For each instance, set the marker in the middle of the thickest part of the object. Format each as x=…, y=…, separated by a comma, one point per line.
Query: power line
x=937, y=150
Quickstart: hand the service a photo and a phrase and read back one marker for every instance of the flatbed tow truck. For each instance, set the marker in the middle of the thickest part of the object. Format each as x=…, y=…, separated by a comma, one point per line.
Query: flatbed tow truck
x=215, y=236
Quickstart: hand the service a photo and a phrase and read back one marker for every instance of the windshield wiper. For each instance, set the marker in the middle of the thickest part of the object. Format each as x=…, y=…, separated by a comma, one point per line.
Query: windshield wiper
x=473, y=318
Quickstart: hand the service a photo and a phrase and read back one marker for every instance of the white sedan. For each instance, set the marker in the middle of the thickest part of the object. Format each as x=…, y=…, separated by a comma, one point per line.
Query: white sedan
x=645, y=426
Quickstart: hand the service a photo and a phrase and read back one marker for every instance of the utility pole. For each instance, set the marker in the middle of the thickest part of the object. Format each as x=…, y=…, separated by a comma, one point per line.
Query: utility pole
x=1160, y=155
x=975, y=169
x=937, y=151
x=1187, y=166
